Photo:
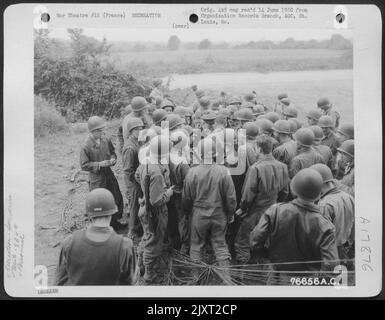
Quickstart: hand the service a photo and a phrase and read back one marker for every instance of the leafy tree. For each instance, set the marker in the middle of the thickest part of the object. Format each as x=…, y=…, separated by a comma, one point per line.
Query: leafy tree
x=204, y=44
x=173, y=43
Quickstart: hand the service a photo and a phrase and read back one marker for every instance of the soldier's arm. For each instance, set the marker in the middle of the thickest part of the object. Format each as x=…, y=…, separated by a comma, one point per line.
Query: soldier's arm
x=128, y=265
x=187, y=201
x=228, y=190
x=328, y=249
x=294, y=168
x=61, y=275
x=128, y=164
x=158, y=195
x=111, y=148
x=120, y=138
x=327, y=212
x=282, y=195
x=261, y=231
x=85, y=163
x=249, y=190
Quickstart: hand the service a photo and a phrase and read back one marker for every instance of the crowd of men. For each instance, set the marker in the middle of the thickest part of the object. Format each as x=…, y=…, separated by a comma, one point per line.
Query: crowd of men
x=284, y=194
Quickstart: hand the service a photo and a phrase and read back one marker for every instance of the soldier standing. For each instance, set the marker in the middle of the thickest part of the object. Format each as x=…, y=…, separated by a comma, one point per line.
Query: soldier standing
x=327, y=109
x=97, y=156
x=346, y=151
x=323, y=150
x=313, y=116
x=287, y=148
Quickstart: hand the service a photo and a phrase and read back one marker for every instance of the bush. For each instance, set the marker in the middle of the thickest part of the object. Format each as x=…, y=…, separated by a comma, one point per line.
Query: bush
x=47, y=119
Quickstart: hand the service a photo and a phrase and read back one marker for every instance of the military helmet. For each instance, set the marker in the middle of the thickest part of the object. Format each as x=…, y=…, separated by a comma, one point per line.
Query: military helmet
x=138, y=103
x=314, y=114
x=282, y=96
x=347, y=147
x=324, y=171
x=181, y=111
x=252, y=129
x=258, y=110
x=133, y=123
x=174, y=120
x=95, y=123
x=167, y=103
x=304, y=137
x=282, y=126
x=286, y=101
x=100, y=202
x=347, y=130
x=323, y=103
x=307, y=184
x=244, y=114
x=296, y=121
x=204, y=102
x=159, y=115
x=290, y=112
x=272, y=116
x=326, y=122
x=249, y=97
x=209, y=116
x=247, y=104
x=318, y=133
x=235, y=100
x=265, y=125
x=199, y=93
x=293, y=125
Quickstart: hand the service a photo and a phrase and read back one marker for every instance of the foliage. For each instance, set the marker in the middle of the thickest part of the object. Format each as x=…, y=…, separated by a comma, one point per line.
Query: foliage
x=173, y=43
x=204, y=44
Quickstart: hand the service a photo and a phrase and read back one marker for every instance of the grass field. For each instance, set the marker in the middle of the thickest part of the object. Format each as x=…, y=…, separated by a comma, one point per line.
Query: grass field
x=163, y=63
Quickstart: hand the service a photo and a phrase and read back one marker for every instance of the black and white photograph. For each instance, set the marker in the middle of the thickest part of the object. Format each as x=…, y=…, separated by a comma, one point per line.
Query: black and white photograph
x=195, y=157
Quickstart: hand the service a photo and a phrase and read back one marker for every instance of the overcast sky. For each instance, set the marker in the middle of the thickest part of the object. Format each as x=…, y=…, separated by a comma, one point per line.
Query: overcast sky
x=215, y=35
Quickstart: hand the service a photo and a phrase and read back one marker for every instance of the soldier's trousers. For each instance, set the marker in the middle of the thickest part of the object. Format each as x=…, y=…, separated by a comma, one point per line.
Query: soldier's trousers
x=153, y=245
x=242, y=239
x=134, y=192
x=106, y=179
x=178, y=224
x=211, y=226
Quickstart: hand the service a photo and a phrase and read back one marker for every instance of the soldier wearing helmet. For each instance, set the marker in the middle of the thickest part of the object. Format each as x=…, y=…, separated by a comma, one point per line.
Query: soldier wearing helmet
x=330, y=139
x=249, y=97
x=313, y=116
x=130, y=162
x=327, y=110
x=306, y=155
x=175, y=122
x=204, y=107
x=158, y=116
x=145, y=139
x=154, y=179
x=242, y=116
x=338, y=207
x=266, y=127
x=266, y=181
x=289, y=112
x=346, y=158
x=282, y=103
x=287, y=148
x=345, y=132
x=167, y=105
x=235, y=101
x=299, y=237
x=209, y=198
x=208, y=123
x=323, y=150
x=97, y=156
x=272, y=116
x=258, y=110
x=198, y=95
x=139, y=110
x=252, y=151
x=96, y=255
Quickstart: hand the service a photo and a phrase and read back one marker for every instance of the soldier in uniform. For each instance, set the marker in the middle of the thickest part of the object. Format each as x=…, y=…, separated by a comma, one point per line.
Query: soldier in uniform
x=175, y=122
x=168, y=106
x=338, y=207
x=346, y=152
x=343, y=133
x=130, y=162
x=208, y=123
x=327, y=109
x=287, y=148
x=272, y=116
x=209, y=196
x=252, y=151
x=323, y=150
x=97, y=156
x=204, y=106
x=154, y=180
x=258, y=110
x=313, y=116
x=97, y=256
x=297, y=233
x=289, y=112
x=266, y=181
x=158, y=116
x=330, y=139
x=156, y=92
x=306, y=155
x=279, y=106
x=266, y=127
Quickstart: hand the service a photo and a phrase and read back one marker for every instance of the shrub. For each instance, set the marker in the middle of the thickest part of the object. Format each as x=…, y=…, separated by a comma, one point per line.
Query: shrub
x=47, y=119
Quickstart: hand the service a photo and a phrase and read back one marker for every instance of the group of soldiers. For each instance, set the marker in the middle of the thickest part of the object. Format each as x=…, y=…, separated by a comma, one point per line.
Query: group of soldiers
x=249, y=181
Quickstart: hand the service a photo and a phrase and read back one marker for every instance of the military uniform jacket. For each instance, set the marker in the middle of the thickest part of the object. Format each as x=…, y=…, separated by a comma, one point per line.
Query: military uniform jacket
x=265, y=179
x=285, y=152
x=347, y=181
x=296, y=232
x=326, y=154
x=130, y=161
x=331, y=141
x=338, y=207
x=304, y=160
x=335, y=116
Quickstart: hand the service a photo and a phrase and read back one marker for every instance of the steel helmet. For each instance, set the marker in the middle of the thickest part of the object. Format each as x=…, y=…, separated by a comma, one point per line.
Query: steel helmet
x=138, y=103
x=159, y=115
x=159, y=147
x=174, y=120
x=347, y=147
x=272, y=116
x=95, y=123
x=282, y=126
x=235, y=100
x=318, y=133
x=252, y=129
x=296, y=121
x=100, y=202
x=314, y=114
x=199, y=93
x=304, y=137
x=249, y=97
x=285, y=101
x=282, y=96
x=167, y=103
x=324, y=171
x=265, y=125
x=244, y=114
x=290, y=112
x=232, y=108
x=179, y=138
x=216, y=104
x=133, y=123
x=347, y=130
x=209, y=116
x=307, y=184
x=204, y=102
x=293, y=125
x=258, y=110
x=323, y=103
x=180, y=110
x=248, y=104
x=326, y=122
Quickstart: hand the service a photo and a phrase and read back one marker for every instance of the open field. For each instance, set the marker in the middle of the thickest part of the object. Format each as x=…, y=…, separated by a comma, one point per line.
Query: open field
x=57, y=156
x=163, y=63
